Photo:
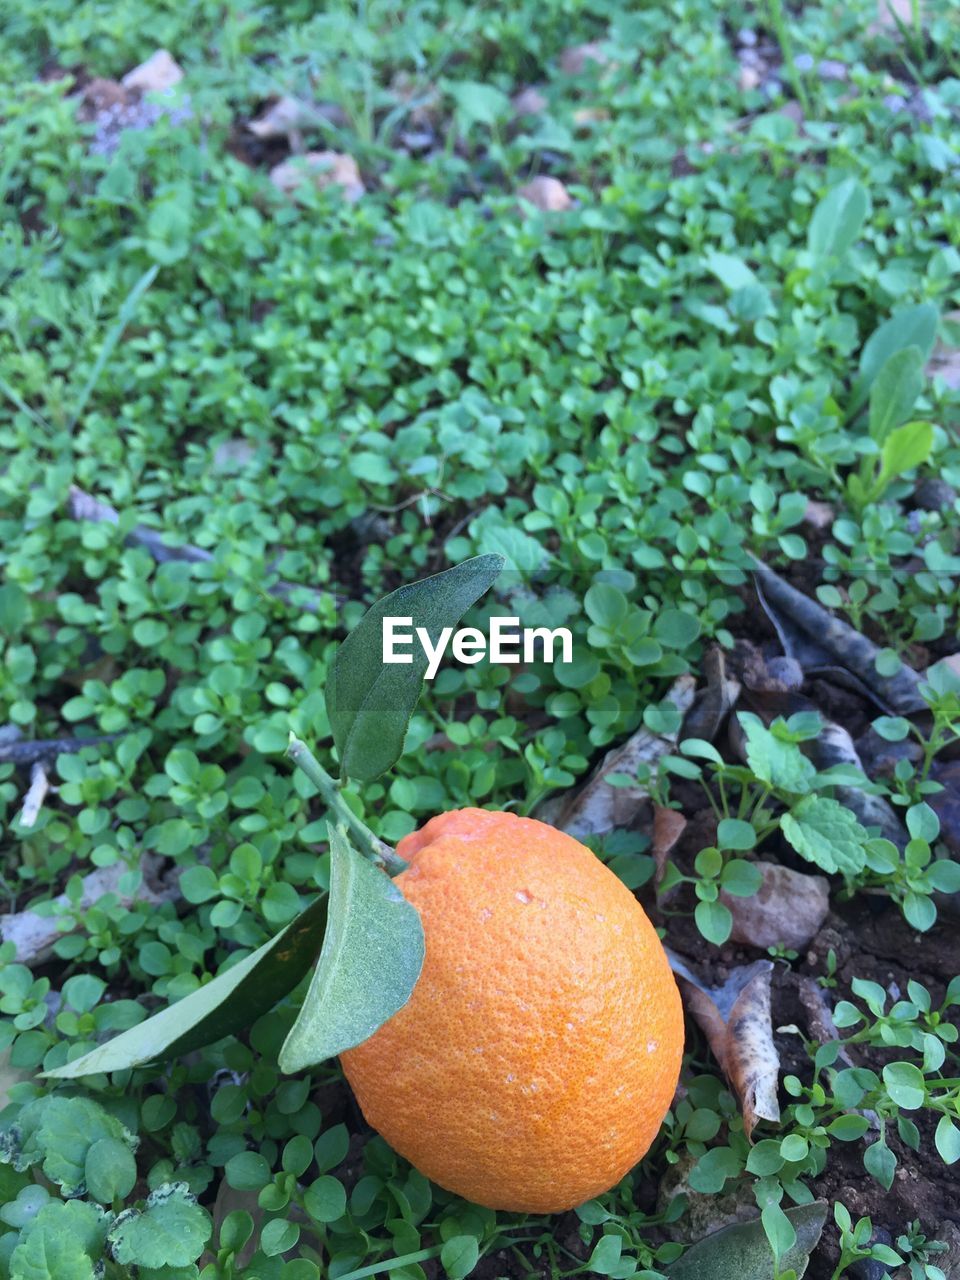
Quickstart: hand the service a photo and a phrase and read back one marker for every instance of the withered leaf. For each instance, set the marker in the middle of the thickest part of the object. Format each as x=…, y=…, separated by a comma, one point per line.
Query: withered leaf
x=549, y=195
x=825, y=644
x=668, y=826
x=323, y=169
x=158, y=74
x=599, y=807
x=735, y=1018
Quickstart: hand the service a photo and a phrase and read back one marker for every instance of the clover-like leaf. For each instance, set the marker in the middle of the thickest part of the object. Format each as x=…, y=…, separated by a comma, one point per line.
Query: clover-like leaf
x=63, y=1240
x=825, y=832
x=371, y=959
x=170, y=1230
x=369, y=701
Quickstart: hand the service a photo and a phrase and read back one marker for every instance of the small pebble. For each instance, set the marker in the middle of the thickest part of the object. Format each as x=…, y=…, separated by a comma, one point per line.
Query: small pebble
x=933, y=494
x=746, y=37
x=418, y=139
x=831, y=69
x=870, y=1268
x=803, y=62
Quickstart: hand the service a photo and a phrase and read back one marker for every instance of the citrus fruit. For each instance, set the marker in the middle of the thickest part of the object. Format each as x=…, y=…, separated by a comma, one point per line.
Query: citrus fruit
x=533, y=1064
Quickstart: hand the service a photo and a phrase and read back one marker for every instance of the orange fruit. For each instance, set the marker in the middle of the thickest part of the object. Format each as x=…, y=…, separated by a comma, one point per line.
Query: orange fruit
x=535, y=1060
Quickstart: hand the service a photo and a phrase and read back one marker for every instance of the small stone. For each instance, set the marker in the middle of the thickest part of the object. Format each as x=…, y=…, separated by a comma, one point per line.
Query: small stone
x=870, y=1268
x=590, y=115
x=747, y=37
x=231, y=456
x=749, y=79
x=819, y=515
x=157, y=75
x=803, y=62
x=933, y=494
x=787, y=910
x=547, y=194
x=831, y=69
x=574, y=60
x=529, y=102
x=417, y=140
x=323, y=169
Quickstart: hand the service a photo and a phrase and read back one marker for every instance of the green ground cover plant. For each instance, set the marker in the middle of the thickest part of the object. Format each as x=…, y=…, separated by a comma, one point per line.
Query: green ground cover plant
x=232, y=417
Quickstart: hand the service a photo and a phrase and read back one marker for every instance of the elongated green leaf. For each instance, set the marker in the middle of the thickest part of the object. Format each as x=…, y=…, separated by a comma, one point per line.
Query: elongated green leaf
x=913, y=327
x=895, y=391
x=838, y=219
x=370, y=702
x=742, y=1252
x=371, y=959
x=230, y=1002
x=907, y=447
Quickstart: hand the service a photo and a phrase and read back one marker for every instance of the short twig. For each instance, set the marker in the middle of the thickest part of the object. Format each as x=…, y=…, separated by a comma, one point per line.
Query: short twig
x=36, y=794
x=83, y=506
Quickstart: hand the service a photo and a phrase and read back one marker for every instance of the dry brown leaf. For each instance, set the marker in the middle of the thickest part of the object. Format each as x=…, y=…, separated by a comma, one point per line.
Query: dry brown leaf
x=102, y=95
x=735, y=1018
x=157, y=75
x=888, y=13
x=599, y=807
x=574, y=59
x=945, y=361
x=946, y=803
x=323, y=169
x=590, y=115
x=668, y=826
x=713, y=703
x=289, y=116
x=33, y=935
x=529, y=102
x=787, y=910
x=547, y=194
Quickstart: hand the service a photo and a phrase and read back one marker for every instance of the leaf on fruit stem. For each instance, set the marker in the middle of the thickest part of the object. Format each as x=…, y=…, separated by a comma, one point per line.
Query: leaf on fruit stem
x=735, y=1018
x=742, y=1251
x=232, y=1001
x=371, y=959
x=370, y=702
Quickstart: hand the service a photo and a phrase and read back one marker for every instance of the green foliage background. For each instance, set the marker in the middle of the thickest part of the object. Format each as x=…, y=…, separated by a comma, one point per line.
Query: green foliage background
x=630, y=396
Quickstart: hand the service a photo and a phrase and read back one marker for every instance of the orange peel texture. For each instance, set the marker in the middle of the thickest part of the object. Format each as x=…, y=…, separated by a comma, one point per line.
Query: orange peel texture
x=540, y=1050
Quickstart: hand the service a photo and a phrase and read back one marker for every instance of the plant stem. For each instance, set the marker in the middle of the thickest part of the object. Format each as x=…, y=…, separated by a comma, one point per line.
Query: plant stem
x=393, y=1264
x=781, y=31
x=370, y=846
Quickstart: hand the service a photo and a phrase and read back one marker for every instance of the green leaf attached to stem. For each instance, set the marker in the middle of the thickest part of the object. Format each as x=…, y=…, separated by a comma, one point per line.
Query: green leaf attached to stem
x=233, y=1000
x=370, y=702
x=371, y=959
